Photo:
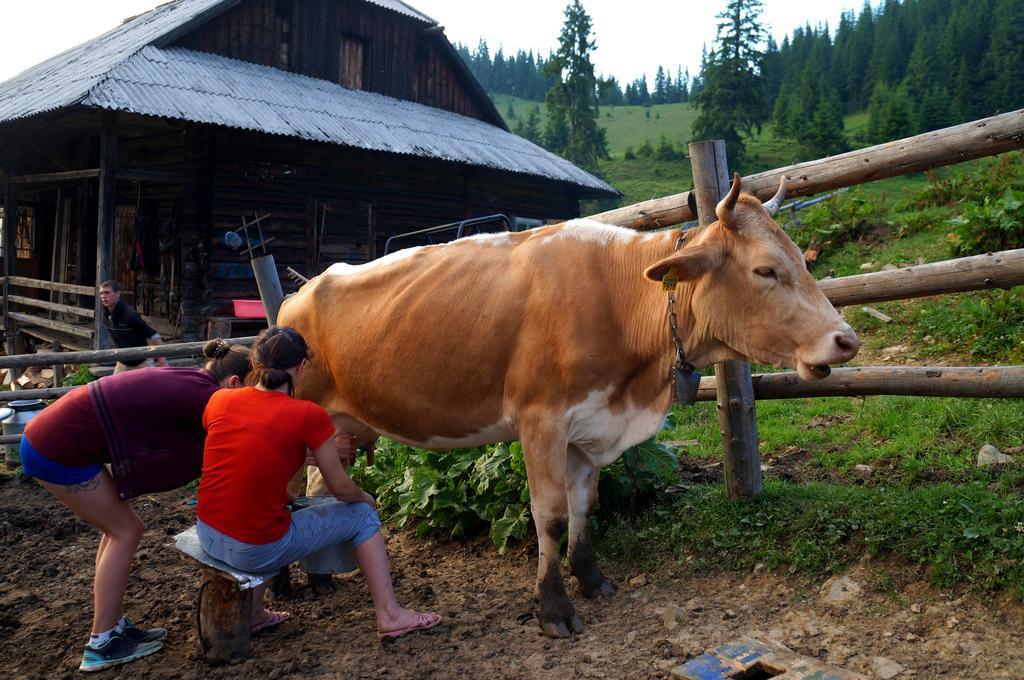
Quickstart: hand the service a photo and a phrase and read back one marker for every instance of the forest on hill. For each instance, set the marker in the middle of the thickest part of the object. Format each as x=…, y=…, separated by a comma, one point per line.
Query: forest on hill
x=911, y=65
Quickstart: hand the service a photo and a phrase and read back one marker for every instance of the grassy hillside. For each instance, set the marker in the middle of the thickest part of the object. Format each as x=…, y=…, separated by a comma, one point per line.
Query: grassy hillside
x=630, y=127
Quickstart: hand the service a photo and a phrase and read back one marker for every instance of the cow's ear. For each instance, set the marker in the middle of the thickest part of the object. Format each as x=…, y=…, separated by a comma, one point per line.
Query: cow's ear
x=688, y=263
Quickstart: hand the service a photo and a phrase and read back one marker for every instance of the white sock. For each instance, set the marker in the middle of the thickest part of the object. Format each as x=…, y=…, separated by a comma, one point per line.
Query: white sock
x=121, y=625
x=99, y=639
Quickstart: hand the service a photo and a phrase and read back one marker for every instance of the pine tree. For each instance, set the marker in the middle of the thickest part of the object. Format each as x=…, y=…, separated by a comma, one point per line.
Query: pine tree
x=822, y=135
x=660, y=87
x=732, y=98
x=1005, y=58
x=572, y=129
x=530, y=126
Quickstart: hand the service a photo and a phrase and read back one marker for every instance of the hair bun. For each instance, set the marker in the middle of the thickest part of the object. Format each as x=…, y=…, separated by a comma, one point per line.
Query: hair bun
x=216, y=348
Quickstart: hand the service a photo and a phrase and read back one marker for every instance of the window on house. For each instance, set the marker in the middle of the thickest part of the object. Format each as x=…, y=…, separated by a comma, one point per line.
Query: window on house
x=352, y=62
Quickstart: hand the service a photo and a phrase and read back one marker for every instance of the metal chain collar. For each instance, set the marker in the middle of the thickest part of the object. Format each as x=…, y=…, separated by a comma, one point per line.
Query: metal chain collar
x=684, y=376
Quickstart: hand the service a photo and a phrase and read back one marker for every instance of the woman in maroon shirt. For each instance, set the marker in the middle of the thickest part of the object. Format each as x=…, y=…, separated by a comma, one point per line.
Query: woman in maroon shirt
x=147, y=425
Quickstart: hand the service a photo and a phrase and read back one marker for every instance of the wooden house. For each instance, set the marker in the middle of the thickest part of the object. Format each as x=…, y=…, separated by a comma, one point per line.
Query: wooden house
x=340, y=122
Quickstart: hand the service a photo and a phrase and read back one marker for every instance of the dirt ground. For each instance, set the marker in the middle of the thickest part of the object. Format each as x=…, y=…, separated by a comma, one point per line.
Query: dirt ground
x=654, y=624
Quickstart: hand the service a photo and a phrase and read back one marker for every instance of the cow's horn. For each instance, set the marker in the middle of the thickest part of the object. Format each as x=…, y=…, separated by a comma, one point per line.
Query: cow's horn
x=773, y=204
x=726, y=207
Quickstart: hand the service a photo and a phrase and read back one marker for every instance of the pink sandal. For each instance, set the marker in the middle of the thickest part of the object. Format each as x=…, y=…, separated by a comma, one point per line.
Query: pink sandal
x=270, y=620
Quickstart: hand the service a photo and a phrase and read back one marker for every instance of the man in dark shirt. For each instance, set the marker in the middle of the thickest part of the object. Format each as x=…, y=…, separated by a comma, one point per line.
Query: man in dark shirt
x=126, y=327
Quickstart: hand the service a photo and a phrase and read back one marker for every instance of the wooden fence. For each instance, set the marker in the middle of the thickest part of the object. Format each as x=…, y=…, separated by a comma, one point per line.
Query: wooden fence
x=734, y=388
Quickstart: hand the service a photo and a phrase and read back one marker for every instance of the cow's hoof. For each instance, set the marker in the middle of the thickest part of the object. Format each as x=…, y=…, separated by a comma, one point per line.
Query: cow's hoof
x=321, y=584
x=562, y=629
x=603, y=589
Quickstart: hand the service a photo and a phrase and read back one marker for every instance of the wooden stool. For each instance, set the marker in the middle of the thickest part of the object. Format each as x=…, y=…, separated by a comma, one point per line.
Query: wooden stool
x=224, y=618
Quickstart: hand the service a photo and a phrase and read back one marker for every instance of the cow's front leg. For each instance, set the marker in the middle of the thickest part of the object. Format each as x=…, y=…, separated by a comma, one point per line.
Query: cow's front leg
x=581, y=488
x=544, y=447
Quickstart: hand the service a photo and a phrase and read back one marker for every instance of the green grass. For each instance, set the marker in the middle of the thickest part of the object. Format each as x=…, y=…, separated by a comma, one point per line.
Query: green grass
x=956, y=534
x=911, y=439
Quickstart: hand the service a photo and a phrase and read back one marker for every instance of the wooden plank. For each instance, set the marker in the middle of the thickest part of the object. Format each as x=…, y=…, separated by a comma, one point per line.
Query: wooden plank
x=75, y=289
x=94, y=356
x=948, y=146
x=910, y=381
x=52, y=325
x=52, y=177
x=10, y=221
x=1004, y=269
x=736, y=413
x=105, y=219
x=52, y=306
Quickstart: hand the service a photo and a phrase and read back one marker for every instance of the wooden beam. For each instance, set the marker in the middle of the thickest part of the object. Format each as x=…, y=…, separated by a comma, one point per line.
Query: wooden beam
x=1004, y=269
x=956, y=144
x=30, y=320
x=53, y=306
x=736, y=412
x=10, y=221
x=123, y=175
x=910, y=381
x=94, y=356
x=53, y=177
x=105, y=223
x=24, y=281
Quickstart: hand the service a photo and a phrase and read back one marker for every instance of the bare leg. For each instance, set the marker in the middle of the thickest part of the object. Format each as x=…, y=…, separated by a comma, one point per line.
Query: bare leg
x=372, y=558
x=96, y=501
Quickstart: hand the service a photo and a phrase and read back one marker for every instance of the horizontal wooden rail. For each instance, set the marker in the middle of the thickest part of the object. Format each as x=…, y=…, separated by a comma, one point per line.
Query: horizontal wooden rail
x=72, y=288
x=1004, y=269
x=41, y=393
x=52, y=306
x=169, y=350
x=956, y=144
x=30, y=320
x=910, y=381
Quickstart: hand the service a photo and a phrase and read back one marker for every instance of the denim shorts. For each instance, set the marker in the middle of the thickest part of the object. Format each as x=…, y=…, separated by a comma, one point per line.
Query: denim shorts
x=312, y=530
x=35, y=464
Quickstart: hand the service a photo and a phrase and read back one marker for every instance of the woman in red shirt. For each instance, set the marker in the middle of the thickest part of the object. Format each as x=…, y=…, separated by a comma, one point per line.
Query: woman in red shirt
x=256, y=441
x=147, y=426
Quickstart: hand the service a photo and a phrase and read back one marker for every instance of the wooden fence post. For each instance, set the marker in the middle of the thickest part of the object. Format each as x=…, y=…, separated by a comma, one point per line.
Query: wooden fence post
x=736, y=415
x=10, y=228
x=105, y=221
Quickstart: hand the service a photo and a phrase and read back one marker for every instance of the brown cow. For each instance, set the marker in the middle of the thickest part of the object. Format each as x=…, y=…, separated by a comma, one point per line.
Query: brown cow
x=553, y=336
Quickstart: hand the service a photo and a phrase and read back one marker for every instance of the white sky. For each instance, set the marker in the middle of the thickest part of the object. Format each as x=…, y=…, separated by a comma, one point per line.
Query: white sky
x=633, y=36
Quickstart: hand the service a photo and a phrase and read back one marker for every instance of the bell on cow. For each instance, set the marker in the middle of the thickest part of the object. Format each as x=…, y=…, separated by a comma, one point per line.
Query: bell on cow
x=687, y=381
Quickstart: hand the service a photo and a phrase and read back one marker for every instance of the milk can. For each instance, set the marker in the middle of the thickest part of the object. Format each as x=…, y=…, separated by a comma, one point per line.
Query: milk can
x=23, y=411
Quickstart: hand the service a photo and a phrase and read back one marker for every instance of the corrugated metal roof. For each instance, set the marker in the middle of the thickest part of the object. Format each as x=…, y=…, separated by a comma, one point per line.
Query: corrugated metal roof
x=126, y=69
x=65, y=79
x=208, y=88
x=402, y=8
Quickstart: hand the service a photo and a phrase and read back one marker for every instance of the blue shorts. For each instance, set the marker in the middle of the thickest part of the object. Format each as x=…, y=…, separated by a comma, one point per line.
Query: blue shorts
x=35, y=464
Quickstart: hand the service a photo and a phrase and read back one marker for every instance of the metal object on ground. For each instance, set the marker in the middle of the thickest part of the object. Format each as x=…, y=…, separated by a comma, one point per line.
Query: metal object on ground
x=23, y=410
x=750, y=659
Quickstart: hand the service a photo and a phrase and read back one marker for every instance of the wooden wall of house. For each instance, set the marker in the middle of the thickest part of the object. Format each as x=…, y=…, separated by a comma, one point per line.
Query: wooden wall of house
x=368, y=197
x=353, y=43
x=325, y=203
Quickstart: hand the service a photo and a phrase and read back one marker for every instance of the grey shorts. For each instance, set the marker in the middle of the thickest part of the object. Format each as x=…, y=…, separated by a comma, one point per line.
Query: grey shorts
x=322, y=535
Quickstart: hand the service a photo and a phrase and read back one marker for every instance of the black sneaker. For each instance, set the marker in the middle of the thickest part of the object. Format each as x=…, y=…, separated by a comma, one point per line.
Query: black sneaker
x=136, y=634
x=117, y=650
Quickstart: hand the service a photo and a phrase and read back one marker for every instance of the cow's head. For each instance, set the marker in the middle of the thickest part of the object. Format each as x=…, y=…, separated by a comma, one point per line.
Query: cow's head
x=752, y=296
